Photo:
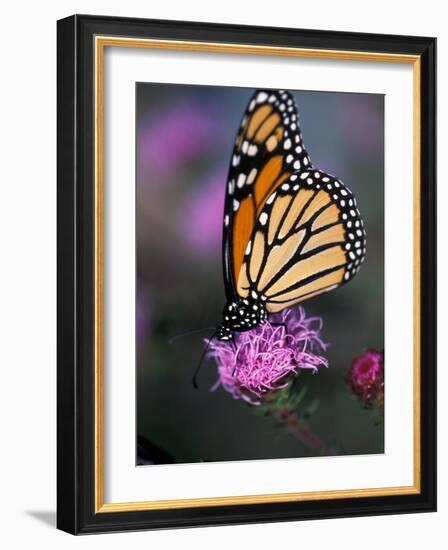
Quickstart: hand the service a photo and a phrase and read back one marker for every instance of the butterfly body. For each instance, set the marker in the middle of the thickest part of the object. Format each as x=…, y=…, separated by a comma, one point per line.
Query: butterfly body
x=291, y=230
x=242, y=315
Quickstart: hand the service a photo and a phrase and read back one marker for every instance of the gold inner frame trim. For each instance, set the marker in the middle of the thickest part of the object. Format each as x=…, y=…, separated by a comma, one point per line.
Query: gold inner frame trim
x=101, y=42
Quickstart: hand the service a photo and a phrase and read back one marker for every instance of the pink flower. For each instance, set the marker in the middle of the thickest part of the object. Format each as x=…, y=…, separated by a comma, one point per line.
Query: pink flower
x=265, y=359
x=366, y=378
x=170, y=139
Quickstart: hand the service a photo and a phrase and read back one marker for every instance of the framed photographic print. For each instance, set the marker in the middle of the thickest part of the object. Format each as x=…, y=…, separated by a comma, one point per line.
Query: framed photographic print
x=246, y=274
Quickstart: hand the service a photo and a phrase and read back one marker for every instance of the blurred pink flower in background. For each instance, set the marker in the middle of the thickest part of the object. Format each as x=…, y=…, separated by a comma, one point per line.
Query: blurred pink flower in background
x=171, y=138
x=268, y=356
x=203, y=215
x=366, y=378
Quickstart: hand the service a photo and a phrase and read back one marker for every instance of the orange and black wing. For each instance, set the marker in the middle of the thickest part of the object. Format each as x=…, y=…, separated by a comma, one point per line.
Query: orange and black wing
x=267, y=151
x=308, y=238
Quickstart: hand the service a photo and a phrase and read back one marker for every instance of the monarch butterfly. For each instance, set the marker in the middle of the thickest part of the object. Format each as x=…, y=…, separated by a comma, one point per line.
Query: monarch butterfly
x=291, y=231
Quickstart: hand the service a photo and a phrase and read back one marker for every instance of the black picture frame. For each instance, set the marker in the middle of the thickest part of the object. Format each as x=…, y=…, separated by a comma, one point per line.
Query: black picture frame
x=76, y=512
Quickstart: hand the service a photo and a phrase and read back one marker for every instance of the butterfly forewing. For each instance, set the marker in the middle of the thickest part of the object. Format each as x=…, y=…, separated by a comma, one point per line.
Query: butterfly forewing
x=267, y=151
x=308, y=238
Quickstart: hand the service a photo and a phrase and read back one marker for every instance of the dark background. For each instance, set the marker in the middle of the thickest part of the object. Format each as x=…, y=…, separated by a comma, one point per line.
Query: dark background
x=185, y=135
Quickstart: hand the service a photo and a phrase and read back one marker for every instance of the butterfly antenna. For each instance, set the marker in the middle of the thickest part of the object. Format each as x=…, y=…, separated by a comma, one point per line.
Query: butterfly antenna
x=176, y=336
x=201, y=360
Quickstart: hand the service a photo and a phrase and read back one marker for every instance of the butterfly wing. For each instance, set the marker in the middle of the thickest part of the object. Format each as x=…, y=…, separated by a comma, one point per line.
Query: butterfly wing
x=268, y=149
x=308, y=238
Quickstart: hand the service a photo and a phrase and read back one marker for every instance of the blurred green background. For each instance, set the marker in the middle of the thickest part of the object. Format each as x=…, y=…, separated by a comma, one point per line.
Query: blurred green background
x=185, y=136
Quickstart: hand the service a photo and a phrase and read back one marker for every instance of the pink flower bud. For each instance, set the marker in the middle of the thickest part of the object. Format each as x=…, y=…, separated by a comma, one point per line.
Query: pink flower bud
x=366, y=378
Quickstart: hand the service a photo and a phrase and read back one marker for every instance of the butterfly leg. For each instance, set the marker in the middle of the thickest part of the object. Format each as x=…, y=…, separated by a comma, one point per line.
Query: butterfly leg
x=203, y=356
x=233, y=343
x=279, y=325
x=235, y=350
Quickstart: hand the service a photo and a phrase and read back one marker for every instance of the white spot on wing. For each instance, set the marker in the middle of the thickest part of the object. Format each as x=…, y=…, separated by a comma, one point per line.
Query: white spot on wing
x=271, y=199
x=241, y=180
x=251, y=176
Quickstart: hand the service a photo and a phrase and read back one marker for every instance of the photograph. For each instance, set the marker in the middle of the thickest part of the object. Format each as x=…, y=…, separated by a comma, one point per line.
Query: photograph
x=259, y=274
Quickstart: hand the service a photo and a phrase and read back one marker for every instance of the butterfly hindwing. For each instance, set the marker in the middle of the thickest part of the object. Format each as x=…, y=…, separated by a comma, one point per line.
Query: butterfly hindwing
x=308, y=238
x=267, y=151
